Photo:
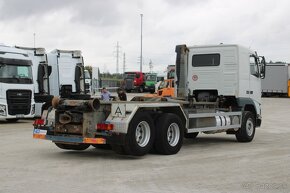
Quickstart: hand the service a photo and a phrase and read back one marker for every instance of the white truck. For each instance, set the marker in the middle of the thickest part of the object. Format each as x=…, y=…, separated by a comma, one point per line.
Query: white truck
x=16, y=84
x=218, y=89
x=41, y=75
x=88, y=82
x=67, y=74
x=53, y=70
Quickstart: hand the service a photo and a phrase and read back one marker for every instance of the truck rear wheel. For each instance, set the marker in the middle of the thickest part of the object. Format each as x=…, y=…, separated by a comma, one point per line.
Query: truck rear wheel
x=169, y=136
x=140, y=136
x=72, y=146
x=247, y=131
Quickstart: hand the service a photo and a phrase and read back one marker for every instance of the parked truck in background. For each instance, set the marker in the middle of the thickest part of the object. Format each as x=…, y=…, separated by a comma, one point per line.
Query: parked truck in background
x=218, y=89
x=134, y=81
x=96, y=80
x=277, y=81
x=150, y=82
x=54, y=70
x=41, y=75
x=16, y=84
x=88, y=82
x=166, y=88
x=67, y=73
x=171, y=71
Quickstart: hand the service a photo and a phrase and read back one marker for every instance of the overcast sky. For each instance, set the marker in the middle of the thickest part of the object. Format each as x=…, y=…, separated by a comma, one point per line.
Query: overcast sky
x=95, y=27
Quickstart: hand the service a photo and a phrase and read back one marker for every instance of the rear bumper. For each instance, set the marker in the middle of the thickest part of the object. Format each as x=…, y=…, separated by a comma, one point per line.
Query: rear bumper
x=42, y=134
x=118, y=139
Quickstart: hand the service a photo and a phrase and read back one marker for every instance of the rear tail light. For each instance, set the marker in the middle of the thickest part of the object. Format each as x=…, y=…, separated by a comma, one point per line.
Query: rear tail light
x=38, y=122
x=104, y=126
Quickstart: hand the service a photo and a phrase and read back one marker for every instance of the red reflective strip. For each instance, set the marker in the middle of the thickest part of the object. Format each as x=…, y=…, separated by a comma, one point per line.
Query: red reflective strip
x=39, y=122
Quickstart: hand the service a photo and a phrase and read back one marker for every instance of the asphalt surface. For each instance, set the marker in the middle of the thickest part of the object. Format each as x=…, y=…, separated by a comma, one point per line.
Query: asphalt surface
x=210, y=163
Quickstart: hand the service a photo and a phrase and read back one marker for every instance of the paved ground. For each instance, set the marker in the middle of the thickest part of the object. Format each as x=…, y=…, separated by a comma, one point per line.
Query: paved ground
x=210, y=163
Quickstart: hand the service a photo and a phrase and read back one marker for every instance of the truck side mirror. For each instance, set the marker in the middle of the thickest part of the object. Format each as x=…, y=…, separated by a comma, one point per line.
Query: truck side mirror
x=263, y=67
x=49, y=70
x=40, y=77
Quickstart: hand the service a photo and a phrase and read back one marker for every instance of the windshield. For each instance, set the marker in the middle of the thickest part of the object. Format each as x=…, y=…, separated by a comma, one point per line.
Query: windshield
x=13, y=73
x=151, y=77
x=163, y=84
x=131, y=76
x=87, y=75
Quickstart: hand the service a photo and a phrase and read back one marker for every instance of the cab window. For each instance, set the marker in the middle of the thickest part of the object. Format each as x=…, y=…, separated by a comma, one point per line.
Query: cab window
x=201, y=60
x=254, y=66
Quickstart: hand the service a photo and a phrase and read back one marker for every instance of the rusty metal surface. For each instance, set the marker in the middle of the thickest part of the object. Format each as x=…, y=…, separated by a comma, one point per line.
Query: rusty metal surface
x=69, y=129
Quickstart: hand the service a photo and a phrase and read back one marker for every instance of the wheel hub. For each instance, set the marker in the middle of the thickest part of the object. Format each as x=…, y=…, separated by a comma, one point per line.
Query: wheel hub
x=142, y=134
x=173, y=134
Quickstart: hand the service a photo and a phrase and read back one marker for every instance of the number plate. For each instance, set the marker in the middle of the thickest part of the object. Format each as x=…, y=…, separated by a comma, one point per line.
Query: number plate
x=19, y=116
x=40, y=131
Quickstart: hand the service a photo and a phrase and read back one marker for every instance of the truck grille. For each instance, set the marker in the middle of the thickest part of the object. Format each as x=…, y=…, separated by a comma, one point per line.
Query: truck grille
x=19, y=101
x=129, y=84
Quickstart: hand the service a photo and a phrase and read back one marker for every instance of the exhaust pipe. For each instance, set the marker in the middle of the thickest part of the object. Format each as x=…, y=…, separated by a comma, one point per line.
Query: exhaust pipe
x=55, y=101
x=95, y=104
x=65, y=118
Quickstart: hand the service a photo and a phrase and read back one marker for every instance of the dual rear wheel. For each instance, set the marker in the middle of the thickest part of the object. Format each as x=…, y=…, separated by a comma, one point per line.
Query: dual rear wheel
x=166, y=136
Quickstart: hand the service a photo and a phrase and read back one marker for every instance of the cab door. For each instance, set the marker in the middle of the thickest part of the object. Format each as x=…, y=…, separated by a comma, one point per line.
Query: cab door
x=254, y=91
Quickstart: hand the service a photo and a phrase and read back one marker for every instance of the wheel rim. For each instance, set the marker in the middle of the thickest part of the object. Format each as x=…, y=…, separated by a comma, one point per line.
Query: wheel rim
x=250, y=127
x=142, y=133
x=173, y=134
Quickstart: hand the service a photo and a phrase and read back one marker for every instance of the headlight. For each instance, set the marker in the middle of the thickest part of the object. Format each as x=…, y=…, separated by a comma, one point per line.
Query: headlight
x=3, y=110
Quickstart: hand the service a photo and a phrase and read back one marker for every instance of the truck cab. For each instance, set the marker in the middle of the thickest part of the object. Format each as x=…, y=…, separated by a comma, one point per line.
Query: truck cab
x=134, y=81
x=232, y=72
x=88, y=82
x=41, y=73
x=68, y=73
x=150, y=82
x=16, y=88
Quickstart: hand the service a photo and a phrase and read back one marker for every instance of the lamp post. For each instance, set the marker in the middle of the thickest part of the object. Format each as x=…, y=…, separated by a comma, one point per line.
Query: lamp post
x=141, y=56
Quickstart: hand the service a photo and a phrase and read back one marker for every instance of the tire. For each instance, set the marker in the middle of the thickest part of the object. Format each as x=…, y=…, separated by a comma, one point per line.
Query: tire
x=247, y=131
x=169, y=134
x=102, y=146
x=12, y=120
x=79, y=147
x=140, y=136
x=119, y=149
x=190, y=135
